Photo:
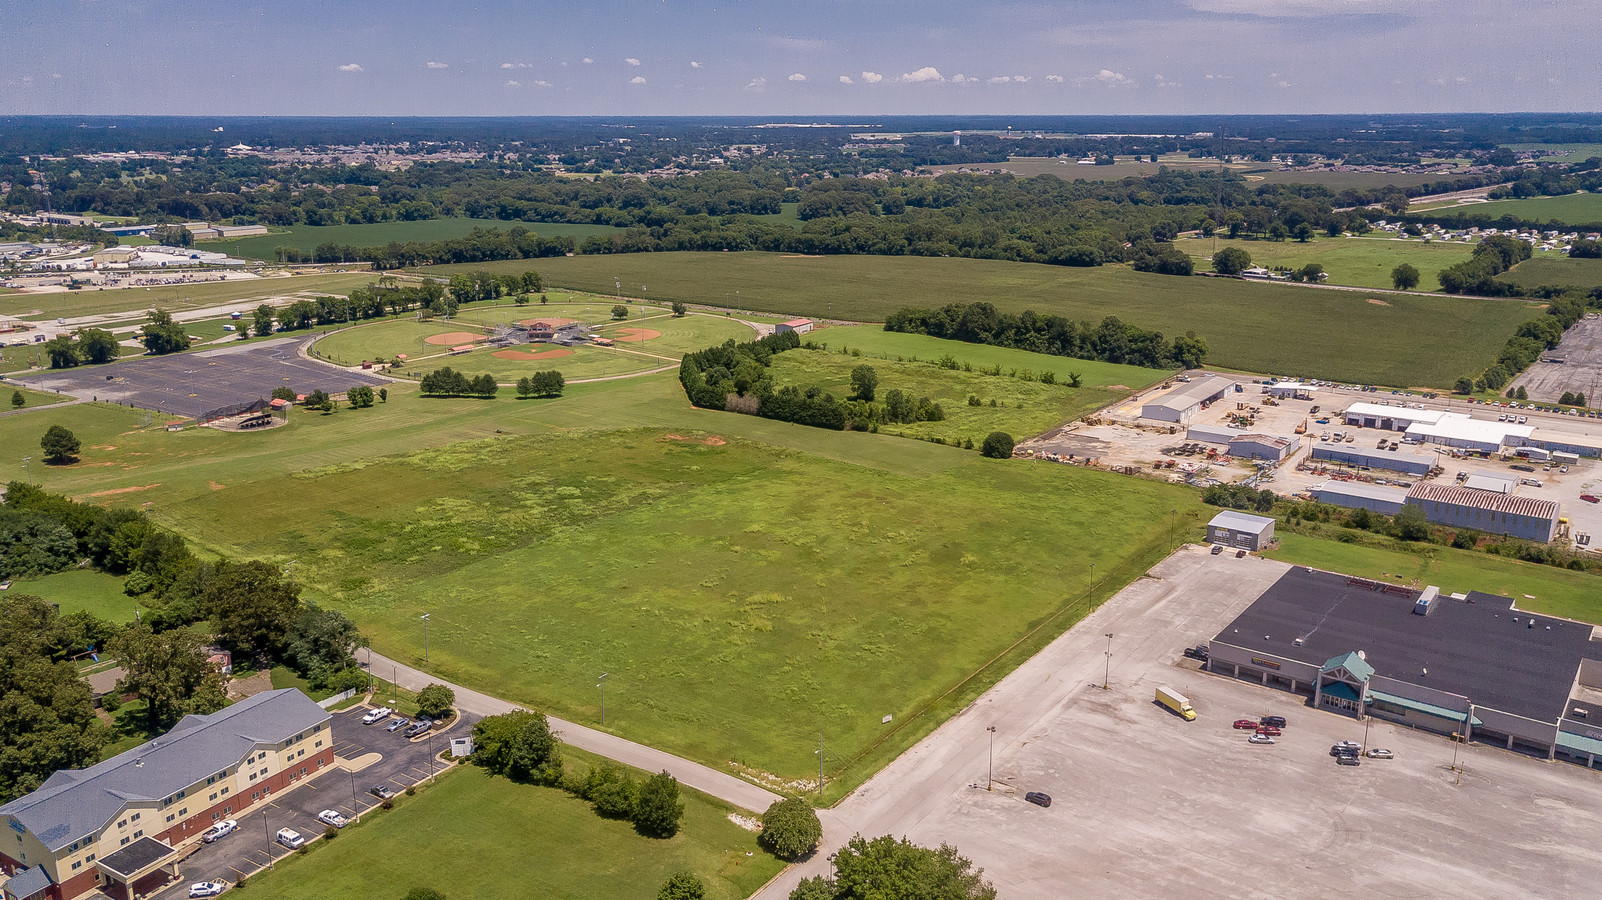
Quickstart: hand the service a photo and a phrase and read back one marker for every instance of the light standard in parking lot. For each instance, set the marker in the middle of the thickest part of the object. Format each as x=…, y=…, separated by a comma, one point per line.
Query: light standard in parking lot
x=990, y=780
x=1106, y=675
x=267, y=832
x=601, y=683
x=425, y=636
x=354, y=807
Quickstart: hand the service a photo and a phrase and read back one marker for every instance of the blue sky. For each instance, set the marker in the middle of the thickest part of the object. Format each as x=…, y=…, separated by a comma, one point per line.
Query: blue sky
x=837, y=57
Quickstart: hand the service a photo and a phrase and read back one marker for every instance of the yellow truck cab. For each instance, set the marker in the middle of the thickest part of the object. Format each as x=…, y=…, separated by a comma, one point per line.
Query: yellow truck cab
x=1177, y=702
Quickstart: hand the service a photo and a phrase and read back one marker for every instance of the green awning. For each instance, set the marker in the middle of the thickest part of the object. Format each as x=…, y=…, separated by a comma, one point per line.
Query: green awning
x=1340, y=689
x=1579, y=743
x=1429, y=709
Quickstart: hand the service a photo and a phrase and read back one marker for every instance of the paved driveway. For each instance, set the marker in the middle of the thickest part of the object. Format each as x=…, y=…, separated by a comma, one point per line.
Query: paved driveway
x=402, y=763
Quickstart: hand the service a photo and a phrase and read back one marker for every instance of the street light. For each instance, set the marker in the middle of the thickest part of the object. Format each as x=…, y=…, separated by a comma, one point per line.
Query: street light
x=1106, y=677
x=1171, y=514
x=990, y=781
x=820, y=765
x=425, y=636
x=601, y=683
x=354, y=807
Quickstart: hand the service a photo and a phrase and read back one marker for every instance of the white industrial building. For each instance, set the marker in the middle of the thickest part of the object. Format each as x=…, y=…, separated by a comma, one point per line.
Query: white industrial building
x=1360, y=495
x=1184, y=401
x=1466, y=433
x=1296, y=390
x=1391, y=418
x=1238, y=529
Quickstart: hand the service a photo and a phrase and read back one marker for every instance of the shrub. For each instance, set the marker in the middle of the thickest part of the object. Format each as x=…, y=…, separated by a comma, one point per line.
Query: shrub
x=682, y=886
x=658, y=809
x=613, y=792
x=790, y=829
x=998, y=445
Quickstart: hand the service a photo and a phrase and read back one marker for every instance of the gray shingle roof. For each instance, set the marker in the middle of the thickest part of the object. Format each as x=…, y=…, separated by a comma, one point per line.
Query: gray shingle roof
x=74, y=803
x=28, y=882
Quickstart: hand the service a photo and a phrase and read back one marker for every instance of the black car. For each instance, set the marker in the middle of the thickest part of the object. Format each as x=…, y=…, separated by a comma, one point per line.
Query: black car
x=1276, y=721
x=1193, y=653
x=1038, y=799
x=382, y=792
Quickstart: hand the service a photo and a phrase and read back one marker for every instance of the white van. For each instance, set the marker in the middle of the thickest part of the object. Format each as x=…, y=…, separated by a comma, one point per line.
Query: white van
x=290, y=838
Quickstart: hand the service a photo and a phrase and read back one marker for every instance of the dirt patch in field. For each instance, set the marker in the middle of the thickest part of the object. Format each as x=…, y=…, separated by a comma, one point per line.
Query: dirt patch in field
x=801, y=256
x=714, y=441
x=553, y=353
x=126, y=490
x=217, y=487
x=1378, y=302
x=711, y=441
x=452, y=338
x=1117, y=387
x=637, y=335
x=106, y=447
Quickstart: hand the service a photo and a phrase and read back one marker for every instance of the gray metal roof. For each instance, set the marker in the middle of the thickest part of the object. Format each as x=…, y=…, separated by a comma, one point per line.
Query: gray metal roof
x=28, y=882
x=75, y=803
x=1239, y=521
x=1363, y=490
x=1189, y=395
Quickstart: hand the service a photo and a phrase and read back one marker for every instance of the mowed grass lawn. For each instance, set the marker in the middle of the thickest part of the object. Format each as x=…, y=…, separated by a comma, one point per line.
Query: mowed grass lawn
x=1537, y=588
x=1569, y=209
x=1554, y=270
x=1266, y=328
x=472, y=836
x=309, y=237
x=386, y=339
x=82, y=590
x=30, y=397
x=1355, y=261
x=174, y=297
x=665, y=335
x=742, y=597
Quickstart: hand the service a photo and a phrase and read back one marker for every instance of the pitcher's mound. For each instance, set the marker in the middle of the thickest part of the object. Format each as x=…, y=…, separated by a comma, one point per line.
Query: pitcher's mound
x=554, y=353
x=638, y=335
x=452, y=338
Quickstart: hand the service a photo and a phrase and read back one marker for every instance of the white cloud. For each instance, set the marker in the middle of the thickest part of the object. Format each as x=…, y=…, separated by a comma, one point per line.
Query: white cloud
x=694, y=64
x=924, y=75
x=1211, y=77
x=517, y=65
x=437, y=65
x=55, y=74
x=1108, y=76
x=638, y=79
x=587, y=60
x=960, y=78
x=804, y=45
x=797, y=76
x=846, y=79
x=999, y=79
x=757, y=85
x=1021, y=79
x=352, y=67
x=542, y=83
x=631, y=61
x=511, y=83
x=1054, y=78
x=872, y=77
x=1285, y=84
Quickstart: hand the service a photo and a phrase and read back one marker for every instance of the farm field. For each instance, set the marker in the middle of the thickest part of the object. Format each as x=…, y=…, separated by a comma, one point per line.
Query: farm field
x=174, y=297
x=1266, y=328
x=82, y=591
x=1561, y=152
x=873, y=340
x=1355, y=261
x=1582, y=209
x=309, y=237
x=1534, y=587
x=1554, y=270
x=1341, y=181
x=491, y=839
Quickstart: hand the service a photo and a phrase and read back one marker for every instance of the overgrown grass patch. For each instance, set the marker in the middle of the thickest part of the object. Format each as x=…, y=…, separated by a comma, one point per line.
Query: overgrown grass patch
x=82, y=590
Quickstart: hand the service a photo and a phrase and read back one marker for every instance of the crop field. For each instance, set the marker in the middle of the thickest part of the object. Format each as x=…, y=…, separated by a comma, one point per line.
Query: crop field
x=1267, y=328
x=1355, y=261
x=1340, y=181
x=1537, y=588
x=487, y=838
x=174, y=297
x=1581, y=209
x=309, y=237
x=1555, y=270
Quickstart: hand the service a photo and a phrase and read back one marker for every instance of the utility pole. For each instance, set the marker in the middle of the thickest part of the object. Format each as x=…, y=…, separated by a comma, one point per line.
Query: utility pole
x=990, y=781
x=425, y=636
x=1171, y=514
x=1106, y=677
x=267, y=832
x=355, y=809
x=601, y=683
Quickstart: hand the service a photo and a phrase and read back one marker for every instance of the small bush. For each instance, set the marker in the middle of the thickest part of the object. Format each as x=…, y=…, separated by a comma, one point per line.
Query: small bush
x=998, y=445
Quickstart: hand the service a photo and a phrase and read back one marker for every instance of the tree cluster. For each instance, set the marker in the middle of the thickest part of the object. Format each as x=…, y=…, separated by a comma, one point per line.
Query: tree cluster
x=482, y=245
x=885, y=868
x=86, y=345
x=1239, y=496
x=1477, y=274
x=49, y=716
x=1111, y=341
x=541, y=384
x=448, y=382
x=162, y=335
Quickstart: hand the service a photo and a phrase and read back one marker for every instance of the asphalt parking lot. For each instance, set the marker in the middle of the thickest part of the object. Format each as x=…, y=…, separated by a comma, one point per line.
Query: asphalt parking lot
x=402, y=763
x=190, y=384
x=1148, y=805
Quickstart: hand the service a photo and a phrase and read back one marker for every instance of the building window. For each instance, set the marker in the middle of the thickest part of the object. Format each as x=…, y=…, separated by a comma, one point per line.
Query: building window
x=123, y=842
x=228, y=809
x=76, y=866
x=139, y=834
x=134, y=817
x=170, y=817
x=216, y=816
x=253, y=776
x=318, y=744
x=123, y=824
x=90, y=858
x=213, y=798
x=184, y=811
x=225, y=791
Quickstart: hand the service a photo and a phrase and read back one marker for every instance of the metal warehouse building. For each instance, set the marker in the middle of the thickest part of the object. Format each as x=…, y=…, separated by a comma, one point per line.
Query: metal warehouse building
x=1184, y=401
x=1357, y=495
x=1391, y=418
x=1238, y=529
x=1464, y=433
x=1391, y=460
x=1490, y=511
x=1470, y=664
x=1263, y=446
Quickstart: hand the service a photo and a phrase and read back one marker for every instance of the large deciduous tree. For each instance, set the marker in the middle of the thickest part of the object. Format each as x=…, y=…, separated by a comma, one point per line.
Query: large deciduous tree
x=790, y=829
x=63, y=352
x=1231, y=261
x=519, y=745
x=1404, y=277
x=162, y=335
x=658, y=809
x=252, y=606
x=864, y=382
x=169, y=670
x=59, y=444
x=320, y=641
x=98, y=345
x=49, y=717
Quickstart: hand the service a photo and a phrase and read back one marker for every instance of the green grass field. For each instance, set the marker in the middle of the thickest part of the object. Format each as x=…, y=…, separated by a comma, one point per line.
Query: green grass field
x=1555, y=270
x=309, y=237
x=1537, y=588
x=385, y=339
x=1561, y=152
x=175, y=297
x=1267, y=328
x=1356, y=261
x=582, y=362
x=676, y=336
x=486, y=838
x=82, y=591
x=30, y=397
x=1340, y=181
x=1583, y=209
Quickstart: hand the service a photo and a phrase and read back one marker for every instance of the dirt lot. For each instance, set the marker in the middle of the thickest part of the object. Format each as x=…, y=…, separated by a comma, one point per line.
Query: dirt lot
x=1147, y=805
x=1580, y=371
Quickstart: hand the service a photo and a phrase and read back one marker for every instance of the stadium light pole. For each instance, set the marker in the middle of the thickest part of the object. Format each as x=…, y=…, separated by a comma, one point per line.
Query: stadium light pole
x=601, y=683
x=425, y=636
x=990, y=780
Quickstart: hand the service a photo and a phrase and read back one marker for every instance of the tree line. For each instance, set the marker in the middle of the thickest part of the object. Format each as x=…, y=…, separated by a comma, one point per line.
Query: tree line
x=1111, y=341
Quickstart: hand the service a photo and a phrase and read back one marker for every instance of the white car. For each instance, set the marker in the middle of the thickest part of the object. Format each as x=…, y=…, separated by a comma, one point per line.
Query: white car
x=1260, y=739
x=207, y=888
x=1380, y=753
x=376, y=715
x=220, y=830
x=330, y=817
x=291, y=838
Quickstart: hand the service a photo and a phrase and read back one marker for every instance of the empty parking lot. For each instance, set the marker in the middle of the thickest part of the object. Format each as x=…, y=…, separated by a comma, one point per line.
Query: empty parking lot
x=190, y=384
